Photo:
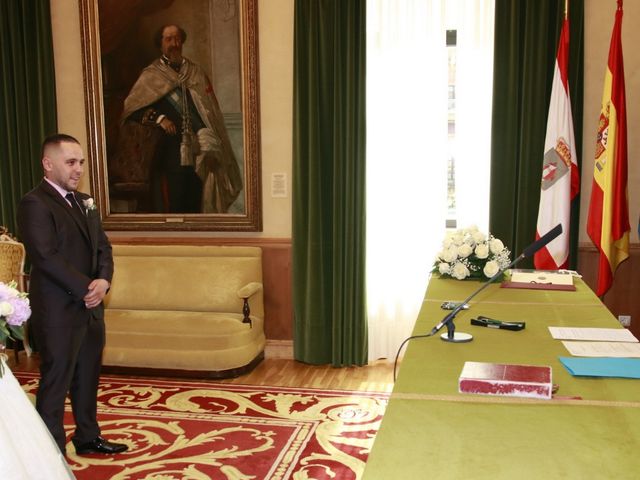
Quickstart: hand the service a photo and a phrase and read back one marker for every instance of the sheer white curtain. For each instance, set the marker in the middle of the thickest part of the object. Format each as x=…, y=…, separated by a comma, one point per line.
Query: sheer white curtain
x=407, y=148
x=406, y=171
x=474, y=85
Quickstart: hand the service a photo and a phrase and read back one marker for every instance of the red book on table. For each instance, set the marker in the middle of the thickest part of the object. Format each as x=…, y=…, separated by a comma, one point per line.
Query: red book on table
x=528, y=381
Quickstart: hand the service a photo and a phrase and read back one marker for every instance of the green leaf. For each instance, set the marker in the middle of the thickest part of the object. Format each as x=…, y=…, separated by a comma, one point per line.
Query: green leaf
x=4, y=332
x=18, y=332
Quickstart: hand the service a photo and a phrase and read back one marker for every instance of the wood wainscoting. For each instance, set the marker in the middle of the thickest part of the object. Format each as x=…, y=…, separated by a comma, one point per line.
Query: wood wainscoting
x=623, y=297
x=276, y=275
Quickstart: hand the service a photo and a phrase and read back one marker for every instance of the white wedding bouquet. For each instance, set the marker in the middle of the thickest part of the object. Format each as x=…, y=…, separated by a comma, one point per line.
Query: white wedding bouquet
x=469, y=253
x=14, y=311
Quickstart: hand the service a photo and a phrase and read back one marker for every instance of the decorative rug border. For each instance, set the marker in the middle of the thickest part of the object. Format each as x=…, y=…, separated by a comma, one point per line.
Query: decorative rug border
x=181, y=383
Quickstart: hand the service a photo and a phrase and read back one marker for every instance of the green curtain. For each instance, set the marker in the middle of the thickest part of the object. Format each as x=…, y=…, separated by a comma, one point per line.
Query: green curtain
x=526, y=43
x=27, y=99
x=329, y=182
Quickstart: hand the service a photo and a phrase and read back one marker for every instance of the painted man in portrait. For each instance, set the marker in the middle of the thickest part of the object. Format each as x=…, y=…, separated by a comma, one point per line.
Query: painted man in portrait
x=174, y=108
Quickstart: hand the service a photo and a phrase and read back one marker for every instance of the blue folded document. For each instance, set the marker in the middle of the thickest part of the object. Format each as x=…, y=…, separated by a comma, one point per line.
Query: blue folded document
x=602, y=367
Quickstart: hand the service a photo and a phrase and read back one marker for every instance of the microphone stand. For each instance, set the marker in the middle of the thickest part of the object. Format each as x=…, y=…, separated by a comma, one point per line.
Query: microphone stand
x=459, y=337
x=451, y=335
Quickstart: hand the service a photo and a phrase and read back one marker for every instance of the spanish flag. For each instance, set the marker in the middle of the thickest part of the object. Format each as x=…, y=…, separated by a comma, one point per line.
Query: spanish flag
x=608, y=220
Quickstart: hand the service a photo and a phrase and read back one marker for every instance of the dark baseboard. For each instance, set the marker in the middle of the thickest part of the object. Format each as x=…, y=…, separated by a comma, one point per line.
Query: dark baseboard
x=165, y=372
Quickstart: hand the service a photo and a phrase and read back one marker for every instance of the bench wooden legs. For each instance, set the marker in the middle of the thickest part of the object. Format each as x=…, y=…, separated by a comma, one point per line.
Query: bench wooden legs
x=246, y=311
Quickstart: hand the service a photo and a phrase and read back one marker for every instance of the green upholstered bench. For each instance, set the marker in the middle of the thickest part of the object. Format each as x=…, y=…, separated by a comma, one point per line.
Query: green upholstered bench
x=176, y=309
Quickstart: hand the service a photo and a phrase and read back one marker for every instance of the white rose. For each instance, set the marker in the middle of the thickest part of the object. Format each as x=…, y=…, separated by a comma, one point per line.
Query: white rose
x=450, y=254
x=6, y=309
x=465, y=250
x=89, y=205
x=496, y=245
x=460, y=271
x=457, y=238
x=8, y=291
x=444, y=268
x=482, y=250
x=447, y=242
x=490, y=269
x=468, y=240
x=478, y=236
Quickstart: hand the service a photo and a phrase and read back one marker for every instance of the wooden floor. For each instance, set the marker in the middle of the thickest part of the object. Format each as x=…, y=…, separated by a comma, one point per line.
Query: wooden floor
x=377, y=377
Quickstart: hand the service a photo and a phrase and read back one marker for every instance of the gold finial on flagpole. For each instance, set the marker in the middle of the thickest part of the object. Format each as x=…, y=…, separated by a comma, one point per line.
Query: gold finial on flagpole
x=566, y=9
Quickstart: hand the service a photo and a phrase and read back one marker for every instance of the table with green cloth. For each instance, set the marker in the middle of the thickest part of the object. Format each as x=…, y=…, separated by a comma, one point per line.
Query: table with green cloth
x=589, y=429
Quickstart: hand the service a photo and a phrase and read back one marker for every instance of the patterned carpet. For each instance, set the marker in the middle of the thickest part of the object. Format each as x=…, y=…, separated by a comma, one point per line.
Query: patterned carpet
x=205, y=430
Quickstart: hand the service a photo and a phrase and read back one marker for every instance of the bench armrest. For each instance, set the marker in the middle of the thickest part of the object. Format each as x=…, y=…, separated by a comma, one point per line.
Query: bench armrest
x=249, y=290
x=244, y=293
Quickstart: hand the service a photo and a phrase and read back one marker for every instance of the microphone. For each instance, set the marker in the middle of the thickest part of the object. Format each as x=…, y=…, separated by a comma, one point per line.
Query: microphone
x=542, y=241
x=526, y=253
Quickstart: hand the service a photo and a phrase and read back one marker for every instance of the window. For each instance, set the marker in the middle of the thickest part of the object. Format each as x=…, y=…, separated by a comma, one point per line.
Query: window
x=451, y=119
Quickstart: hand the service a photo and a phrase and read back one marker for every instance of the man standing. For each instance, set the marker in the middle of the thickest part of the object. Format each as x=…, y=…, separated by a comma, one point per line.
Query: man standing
x=72, y=266
x=194, y=169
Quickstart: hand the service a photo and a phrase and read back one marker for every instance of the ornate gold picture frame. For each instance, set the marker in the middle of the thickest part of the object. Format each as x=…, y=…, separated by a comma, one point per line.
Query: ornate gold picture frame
x=126, y=154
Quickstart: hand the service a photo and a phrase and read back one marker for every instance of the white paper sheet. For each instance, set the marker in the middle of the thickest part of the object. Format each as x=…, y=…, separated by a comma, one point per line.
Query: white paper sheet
x=603, y=349
x=599, y=334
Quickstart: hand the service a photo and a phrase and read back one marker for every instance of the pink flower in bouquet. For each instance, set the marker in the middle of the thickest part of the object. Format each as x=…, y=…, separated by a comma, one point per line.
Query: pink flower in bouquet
x=14, y=311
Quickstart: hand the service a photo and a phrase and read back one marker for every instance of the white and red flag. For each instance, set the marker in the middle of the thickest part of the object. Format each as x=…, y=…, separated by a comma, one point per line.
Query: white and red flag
x=608, y=220
x=560, y=178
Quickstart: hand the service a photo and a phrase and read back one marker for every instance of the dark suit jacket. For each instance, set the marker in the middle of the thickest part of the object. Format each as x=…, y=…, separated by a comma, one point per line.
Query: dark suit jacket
x=67, y=251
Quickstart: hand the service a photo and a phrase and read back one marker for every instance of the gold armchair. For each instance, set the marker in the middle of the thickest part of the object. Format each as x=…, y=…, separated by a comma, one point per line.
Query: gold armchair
x=12, y=258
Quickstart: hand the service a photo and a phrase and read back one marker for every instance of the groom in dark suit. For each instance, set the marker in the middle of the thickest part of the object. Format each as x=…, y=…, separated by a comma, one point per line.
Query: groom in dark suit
x=71, y=272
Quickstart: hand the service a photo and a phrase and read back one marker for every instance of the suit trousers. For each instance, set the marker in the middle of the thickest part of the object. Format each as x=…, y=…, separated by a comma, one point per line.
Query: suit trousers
x=70, y=362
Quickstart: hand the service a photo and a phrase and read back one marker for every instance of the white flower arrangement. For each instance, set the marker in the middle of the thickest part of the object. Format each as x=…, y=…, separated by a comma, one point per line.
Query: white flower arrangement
x=469, y=253
x=89, y=204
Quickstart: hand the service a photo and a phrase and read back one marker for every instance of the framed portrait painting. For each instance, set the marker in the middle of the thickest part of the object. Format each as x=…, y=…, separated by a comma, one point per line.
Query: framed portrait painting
x=172, y=100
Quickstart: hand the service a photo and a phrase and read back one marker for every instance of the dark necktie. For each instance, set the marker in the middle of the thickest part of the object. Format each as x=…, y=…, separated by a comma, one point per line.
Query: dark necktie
x=74, y=203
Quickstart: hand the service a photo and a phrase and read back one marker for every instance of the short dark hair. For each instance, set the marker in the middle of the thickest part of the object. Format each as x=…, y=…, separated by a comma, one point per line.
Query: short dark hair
x=57, y=139
x=157, y=38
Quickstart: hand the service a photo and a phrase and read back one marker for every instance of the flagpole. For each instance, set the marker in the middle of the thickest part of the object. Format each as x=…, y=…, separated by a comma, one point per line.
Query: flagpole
x=566, y=9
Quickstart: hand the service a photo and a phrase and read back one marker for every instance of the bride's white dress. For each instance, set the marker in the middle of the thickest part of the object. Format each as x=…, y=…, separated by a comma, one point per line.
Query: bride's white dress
x=27, y=450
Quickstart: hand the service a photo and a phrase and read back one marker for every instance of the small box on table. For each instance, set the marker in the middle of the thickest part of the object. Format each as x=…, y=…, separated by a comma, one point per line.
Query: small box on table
x=529, y=381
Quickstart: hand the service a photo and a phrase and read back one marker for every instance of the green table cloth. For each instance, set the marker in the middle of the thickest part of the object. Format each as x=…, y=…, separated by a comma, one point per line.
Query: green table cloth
x=590, y=429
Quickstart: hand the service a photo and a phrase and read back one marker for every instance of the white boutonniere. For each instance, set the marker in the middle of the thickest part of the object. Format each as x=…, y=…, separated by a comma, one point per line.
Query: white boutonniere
x=89, y=204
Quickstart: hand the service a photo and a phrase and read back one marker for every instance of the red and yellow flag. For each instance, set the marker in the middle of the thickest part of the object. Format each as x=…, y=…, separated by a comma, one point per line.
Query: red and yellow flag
x=608, y=220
